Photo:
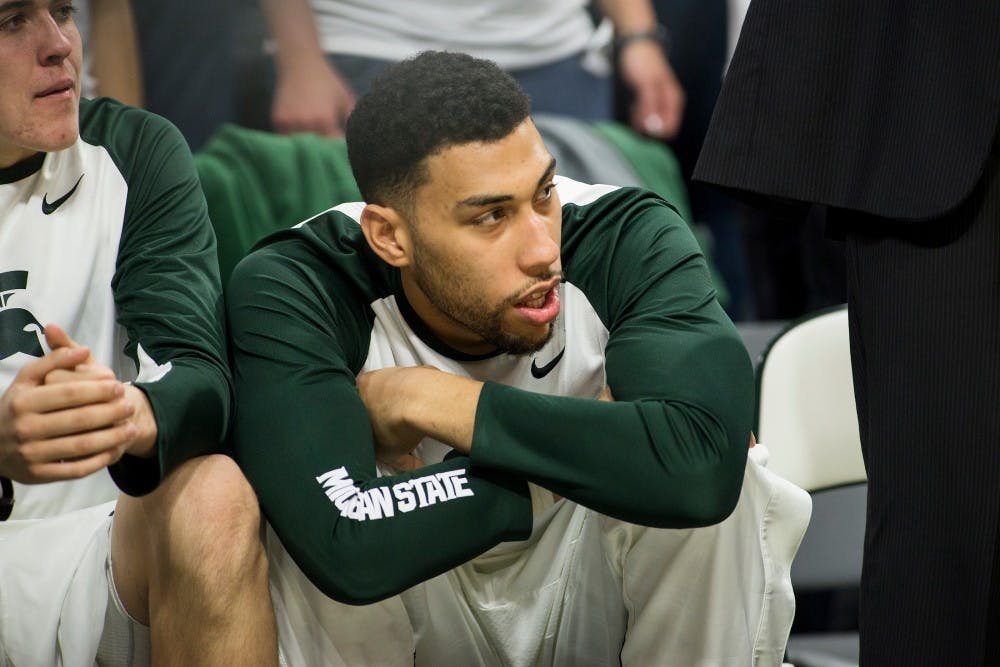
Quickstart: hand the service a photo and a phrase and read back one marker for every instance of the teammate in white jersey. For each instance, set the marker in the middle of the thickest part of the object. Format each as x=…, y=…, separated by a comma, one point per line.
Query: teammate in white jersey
x=112, y=360
x=424, y=386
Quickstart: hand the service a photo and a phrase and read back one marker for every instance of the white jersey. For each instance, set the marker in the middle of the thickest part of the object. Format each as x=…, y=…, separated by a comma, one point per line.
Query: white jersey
x=492, y=570
x=122, y=257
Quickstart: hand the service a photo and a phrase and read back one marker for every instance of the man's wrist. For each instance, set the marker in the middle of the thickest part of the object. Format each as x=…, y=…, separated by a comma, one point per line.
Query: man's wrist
x=144, y=445
x=446, y=407
x=656, y=35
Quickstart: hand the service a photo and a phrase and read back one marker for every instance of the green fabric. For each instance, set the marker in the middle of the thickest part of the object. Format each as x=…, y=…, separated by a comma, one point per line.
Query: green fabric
x=660, y=172
x=312, y=307
x=652, y=161
x=167, y=291
x=257, y=183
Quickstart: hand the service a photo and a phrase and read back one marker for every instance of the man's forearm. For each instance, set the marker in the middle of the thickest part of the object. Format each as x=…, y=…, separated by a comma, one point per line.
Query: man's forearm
x=446, y=409
x=293, y=27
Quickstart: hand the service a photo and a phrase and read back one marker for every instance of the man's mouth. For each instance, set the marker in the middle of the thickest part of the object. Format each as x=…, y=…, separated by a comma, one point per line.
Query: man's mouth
x=540, y=307
x=57, y=88
x=535, y=302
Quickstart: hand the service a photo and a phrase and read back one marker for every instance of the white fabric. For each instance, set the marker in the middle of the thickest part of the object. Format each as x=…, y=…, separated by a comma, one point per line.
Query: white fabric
x=707, y=597
x=571, y=593
x=317, y=631
x=513, y=33
x=54, y=588
x=70, y=260
x=42, y=500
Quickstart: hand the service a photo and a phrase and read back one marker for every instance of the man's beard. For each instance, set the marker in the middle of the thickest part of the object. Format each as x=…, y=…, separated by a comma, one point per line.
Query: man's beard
x=464, y=304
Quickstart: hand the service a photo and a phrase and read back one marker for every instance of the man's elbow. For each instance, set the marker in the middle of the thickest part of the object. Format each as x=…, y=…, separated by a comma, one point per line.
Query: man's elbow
x=703, y=498
x=715, y=507
x=721, y=487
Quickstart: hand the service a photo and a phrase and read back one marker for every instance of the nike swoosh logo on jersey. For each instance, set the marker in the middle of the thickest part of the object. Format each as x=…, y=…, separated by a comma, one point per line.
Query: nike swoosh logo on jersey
x=49, y=209
x=538, y=372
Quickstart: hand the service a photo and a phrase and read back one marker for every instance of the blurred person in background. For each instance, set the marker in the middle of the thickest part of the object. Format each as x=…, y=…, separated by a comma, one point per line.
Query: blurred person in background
x=327, y=52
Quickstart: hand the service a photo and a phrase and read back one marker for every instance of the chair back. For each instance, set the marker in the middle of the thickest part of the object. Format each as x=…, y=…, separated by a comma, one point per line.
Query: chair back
x=806, y=414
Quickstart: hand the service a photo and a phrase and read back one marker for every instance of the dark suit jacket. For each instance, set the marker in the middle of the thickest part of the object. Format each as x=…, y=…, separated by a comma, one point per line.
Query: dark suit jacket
x=883, y=106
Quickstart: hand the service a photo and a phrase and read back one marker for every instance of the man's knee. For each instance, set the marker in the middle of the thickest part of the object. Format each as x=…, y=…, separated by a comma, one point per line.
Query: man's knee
x=208, y=521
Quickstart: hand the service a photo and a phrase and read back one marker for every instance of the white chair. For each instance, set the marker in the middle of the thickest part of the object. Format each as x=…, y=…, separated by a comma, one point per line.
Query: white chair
x=806, y=417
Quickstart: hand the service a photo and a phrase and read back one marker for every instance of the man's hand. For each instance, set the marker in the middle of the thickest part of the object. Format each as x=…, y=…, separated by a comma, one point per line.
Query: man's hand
x=66, y=429
x=395, y=439
x=144, y=442
x=658, y=106
x=406, y=405
x=315, y=99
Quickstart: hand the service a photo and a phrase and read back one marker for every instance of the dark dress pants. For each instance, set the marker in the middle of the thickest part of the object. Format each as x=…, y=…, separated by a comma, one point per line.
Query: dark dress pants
x=924, y=311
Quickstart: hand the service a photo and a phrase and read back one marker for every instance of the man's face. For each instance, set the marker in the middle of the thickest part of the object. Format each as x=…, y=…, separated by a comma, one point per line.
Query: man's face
x=485, y=239
x=40, y=58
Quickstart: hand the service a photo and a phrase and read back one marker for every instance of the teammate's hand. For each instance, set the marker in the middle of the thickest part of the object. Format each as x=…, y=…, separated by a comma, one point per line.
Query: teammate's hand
x=64, y=430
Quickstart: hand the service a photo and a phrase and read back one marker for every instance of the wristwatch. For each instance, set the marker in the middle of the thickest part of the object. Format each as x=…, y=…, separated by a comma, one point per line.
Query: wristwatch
x=6, y=498
x=658, y=34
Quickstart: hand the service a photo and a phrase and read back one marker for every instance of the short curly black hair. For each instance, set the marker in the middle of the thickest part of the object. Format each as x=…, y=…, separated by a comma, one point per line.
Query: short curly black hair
x=423, y=105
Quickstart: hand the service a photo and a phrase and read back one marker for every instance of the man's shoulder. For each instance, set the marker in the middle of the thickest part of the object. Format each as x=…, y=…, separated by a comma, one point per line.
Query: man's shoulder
x=595, y=215
x=610, y=203
x=127, y=133
x=335, y=233
x=327, y=249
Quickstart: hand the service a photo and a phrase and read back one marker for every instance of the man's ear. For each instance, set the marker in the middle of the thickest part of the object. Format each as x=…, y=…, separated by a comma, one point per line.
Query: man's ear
x=386, y=232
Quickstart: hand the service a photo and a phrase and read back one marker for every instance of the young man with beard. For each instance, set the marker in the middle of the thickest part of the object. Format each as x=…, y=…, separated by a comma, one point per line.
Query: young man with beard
x=504, y=406
x=105, y=240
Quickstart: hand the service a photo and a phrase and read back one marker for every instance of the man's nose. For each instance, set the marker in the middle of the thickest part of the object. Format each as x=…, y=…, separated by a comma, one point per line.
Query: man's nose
x=54, y=44
x=539, y=250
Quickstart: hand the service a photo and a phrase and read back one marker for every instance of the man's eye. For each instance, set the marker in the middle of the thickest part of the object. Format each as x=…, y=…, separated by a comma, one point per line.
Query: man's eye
x=64, y=13
x=490, y=218
x=13, y=23
x=546, y=192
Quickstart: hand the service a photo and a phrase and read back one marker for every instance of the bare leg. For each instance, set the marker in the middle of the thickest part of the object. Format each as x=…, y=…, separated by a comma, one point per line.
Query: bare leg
x=188, y=561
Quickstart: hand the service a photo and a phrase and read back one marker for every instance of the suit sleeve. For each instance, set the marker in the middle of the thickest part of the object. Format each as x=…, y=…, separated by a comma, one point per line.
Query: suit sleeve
x=303, y=437
x=169, y=299
x=670, y=452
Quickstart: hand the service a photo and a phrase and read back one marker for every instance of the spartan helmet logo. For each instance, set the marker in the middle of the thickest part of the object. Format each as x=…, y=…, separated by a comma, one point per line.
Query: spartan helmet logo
x=19, y=330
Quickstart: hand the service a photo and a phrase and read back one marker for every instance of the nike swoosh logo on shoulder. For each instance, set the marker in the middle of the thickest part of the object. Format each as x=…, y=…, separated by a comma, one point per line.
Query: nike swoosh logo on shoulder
x=48, y=208
x=538, y=372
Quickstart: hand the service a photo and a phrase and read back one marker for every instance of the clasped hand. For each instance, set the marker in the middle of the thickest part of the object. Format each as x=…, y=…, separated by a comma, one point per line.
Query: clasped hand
x=64, y=416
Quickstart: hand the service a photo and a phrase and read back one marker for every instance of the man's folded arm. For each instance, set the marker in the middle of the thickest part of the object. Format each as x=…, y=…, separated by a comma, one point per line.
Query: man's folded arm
x=671, y=450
